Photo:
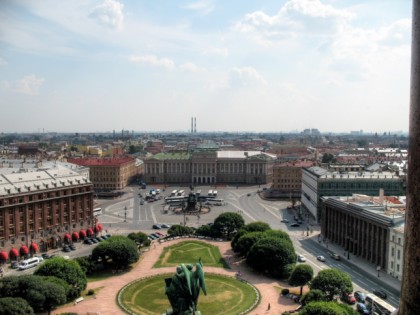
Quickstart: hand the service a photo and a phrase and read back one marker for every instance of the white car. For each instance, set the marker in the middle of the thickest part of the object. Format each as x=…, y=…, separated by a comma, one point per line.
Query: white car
x=320, y=258
x=301, y=258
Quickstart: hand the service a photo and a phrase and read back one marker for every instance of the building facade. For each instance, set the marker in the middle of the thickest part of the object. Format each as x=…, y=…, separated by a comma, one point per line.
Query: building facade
x=318, y=182
x=287, y=178
x=396, y=251
x=107, y=174
x=360, y=226
x=40, y=209
x=209, y=167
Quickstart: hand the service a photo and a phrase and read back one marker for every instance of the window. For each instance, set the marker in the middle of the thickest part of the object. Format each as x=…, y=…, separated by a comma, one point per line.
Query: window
x=392, y=251
x=398, y=267
x=399, y=240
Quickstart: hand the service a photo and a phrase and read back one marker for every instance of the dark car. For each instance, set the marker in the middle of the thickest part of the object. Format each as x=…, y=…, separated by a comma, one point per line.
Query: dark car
x=157, y=226
x=380, y=293
x=88, y=241
x=46, y=256
x=14, y=265
x=362, y=309
x=72, y=247
x=98, y=239
x=285, y=221
x=94, y=240
x=66, y=248
x=360, y=296
x=335, y=256
x=104, y=237
x=294, y=225
x=165, y=226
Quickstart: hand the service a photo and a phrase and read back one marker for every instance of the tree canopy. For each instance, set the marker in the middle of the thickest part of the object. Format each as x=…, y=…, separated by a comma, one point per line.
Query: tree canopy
x=66, y=269
x=140, y=238
x=227, y=223
x=15, y=306
x=273, y=255
x=246, y=241
x=118, y=252
x=327, y=308
x=332, y=282
x=180, y=230
x=256, y=226
x=301, y=275
x=313, y=296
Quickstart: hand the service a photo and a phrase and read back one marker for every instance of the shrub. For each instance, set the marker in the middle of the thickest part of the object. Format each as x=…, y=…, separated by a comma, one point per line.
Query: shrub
x=285, y=291
x=90, y=292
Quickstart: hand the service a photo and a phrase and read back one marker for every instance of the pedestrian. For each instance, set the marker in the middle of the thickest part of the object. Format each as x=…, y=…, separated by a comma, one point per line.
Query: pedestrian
x=269, y=306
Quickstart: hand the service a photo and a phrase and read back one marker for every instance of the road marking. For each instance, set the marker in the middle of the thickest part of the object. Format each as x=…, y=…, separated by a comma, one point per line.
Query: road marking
x=250, y=216
x=267, y=208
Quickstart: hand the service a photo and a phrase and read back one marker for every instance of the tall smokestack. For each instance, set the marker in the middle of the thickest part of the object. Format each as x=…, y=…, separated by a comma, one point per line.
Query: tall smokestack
x=192, y=126
x=195, y=124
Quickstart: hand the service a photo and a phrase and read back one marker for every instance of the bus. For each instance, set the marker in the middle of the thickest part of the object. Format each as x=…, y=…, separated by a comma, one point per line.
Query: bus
x=198, y=193
x=180, y=193
x=214, y=193
x=97, y=212
x=175, y=200
x=210, y=194
x=215, y=202
x=174, y=192
x=377, y=306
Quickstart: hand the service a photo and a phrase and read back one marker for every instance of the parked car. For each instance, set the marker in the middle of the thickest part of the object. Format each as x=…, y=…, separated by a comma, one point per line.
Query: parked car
x=46, y=256
x=14, y=265
x=66, y=248
x=285, y=221
x=348, y=298
x=104, y=237
x=360, y=296
x=94, y=240
x=380, y=293
x=88, y=241
x=335, y=256
x=157, y=226
x=320, y=258
x=72, y=247
x=40, y=258
x=248, y=194
x=98, y=239
x=301, y=258
x=362, y=309
x=159, y=234
x=294, y=225
x=165, y=226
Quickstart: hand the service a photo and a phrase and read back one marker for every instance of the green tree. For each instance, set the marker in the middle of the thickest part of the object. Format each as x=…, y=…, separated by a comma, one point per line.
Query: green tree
x=140, y=238
x=227, y=223
x=180, y=230
x=66, y=269
x=332, y=282
x=328, y=158
x=44, y=296
x=301, y=275
x=118, y=251
x=87, y=264
x=327, y=308
x=235, y=239
x=60, y=282
x=278, y=234
x=205, y=230
x=272, y=255
x=313, y=296
x=245, y=243
x=257, y=226
x=15, y=306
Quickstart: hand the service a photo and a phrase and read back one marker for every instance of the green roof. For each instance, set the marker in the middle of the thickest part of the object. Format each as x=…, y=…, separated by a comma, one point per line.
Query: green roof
x=172, y=156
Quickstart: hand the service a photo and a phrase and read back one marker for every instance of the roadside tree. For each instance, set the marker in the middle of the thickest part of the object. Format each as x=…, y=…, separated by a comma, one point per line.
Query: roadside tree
x=327, y=308
x=118, y=252
x=246, y=242
x=15, y=306
x=68, y=270
x=313, y=296
x=227, y=223
x=301, y=275
x=180, y=230
x=140, y=238
x=332, y=282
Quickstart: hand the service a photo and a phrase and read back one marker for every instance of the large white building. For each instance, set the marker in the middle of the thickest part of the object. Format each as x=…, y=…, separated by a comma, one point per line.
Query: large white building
x=396, y=251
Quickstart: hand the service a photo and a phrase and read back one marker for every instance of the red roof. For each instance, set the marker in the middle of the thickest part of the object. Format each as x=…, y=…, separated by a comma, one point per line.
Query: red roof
x=34, y=247
x=24, y=250
x=3, y=255
x=14, y=253
x=101, y=161
x=82, y=233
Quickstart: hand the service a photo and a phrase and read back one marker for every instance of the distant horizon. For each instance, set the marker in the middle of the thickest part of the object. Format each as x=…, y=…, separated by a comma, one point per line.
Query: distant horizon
x=234, y=65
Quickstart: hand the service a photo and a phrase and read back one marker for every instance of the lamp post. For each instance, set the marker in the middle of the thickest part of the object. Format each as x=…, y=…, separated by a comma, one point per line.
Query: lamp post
x=125, y=213
x=378, y=269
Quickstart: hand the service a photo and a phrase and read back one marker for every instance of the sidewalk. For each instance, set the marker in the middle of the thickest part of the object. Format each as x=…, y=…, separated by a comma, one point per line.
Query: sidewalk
x=363, y=266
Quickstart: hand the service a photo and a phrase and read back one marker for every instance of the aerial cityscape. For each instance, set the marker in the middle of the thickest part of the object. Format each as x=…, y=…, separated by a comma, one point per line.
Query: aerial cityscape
x=202, y=157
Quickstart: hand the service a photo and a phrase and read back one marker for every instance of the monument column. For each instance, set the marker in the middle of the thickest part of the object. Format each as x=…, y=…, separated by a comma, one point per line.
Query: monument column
x=410, y=288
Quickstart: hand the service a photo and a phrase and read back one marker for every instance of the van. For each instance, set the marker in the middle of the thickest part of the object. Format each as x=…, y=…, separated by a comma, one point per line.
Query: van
x=28, y=263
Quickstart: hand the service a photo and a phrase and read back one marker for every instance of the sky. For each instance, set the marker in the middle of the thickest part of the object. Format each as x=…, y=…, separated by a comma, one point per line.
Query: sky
x=258, y=66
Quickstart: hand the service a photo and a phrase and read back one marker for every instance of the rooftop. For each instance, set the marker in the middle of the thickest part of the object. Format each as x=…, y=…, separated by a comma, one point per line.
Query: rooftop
x=101, y=161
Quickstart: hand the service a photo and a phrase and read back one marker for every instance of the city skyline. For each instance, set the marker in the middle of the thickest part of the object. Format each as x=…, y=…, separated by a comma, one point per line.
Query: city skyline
x=268, y=66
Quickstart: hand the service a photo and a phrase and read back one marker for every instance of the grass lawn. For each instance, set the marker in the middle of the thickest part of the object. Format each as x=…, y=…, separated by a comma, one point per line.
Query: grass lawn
x=225, y=296
x=190, y=252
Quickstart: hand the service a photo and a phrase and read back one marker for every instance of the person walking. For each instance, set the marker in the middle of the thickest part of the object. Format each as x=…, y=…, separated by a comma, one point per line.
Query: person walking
x=269, y=306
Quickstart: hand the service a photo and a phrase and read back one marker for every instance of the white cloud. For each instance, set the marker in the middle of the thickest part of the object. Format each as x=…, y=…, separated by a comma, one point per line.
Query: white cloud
x=152, y=60
x=29, y=85
x=202, y=6
x=2, y=62
x=189, y=66
x=217, y=51
x=245, y=77
x=109, y=13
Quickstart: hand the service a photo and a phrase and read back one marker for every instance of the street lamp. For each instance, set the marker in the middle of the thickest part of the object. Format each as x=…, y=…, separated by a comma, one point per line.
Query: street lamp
x=378, y=269
x=125, y=213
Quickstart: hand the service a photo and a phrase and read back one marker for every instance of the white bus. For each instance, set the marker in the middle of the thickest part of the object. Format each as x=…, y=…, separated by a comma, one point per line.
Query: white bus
x=175, y=200
x=377, y=306
x=198, y=193
x=210, y=194
x=180, y=193
x=174, y=192
x=97, y=212
x=214, y=193
x=28, y=263
x=215, y=202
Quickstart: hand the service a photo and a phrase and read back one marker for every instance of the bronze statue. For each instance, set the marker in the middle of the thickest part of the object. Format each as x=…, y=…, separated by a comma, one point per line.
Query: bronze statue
x=183, y=289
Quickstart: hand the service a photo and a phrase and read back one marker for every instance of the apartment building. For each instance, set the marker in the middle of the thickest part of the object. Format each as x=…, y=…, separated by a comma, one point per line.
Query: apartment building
x=287, y=177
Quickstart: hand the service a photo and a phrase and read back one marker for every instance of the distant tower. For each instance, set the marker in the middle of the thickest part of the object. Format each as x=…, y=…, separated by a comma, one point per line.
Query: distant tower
x=192, y=125
x=114, y=134
x=195, y=124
